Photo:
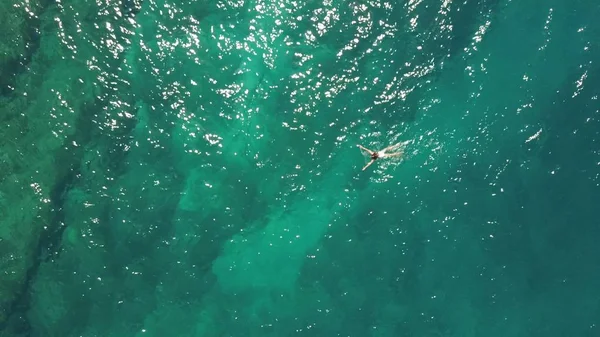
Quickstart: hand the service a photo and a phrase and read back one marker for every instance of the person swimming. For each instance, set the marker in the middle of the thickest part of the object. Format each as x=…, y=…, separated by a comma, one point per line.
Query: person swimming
x=383, y=153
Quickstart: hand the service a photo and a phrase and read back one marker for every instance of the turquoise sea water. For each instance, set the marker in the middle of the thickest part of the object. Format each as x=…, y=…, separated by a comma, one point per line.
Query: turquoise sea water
x=187, y=168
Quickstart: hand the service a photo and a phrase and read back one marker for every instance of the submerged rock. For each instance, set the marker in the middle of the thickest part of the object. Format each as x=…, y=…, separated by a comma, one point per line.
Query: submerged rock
x=44, y=125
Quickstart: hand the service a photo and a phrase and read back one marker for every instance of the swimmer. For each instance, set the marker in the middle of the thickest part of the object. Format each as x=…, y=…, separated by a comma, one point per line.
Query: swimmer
x=385, y=153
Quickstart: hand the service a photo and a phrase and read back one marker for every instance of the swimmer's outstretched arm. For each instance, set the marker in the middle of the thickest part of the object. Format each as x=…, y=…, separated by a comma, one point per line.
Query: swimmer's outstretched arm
x=369, y=164
x=364, y=149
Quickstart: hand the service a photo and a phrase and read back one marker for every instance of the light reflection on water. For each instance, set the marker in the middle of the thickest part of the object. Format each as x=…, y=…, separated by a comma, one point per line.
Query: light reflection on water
x=211, y=162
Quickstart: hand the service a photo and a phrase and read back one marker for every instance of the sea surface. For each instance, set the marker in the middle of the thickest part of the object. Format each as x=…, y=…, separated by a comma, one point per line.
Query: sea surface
x=190, y=168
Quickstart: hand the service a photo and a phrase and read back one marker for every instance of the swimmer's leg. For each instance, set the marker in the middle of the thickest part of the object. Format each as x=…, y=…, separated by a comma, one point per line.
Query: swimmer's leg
x=395, y=147
x=394, y=154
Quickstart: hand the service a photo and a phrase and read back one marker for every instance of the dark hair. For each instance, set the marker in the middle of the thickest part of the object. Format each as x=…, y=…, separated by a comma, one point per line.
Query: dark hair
x=374, y=155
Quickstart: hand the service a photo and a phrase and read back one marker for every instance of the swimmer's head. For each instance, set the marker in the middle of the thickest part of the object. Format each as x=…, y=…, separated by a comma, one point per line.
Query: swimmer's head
x=375, y=155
